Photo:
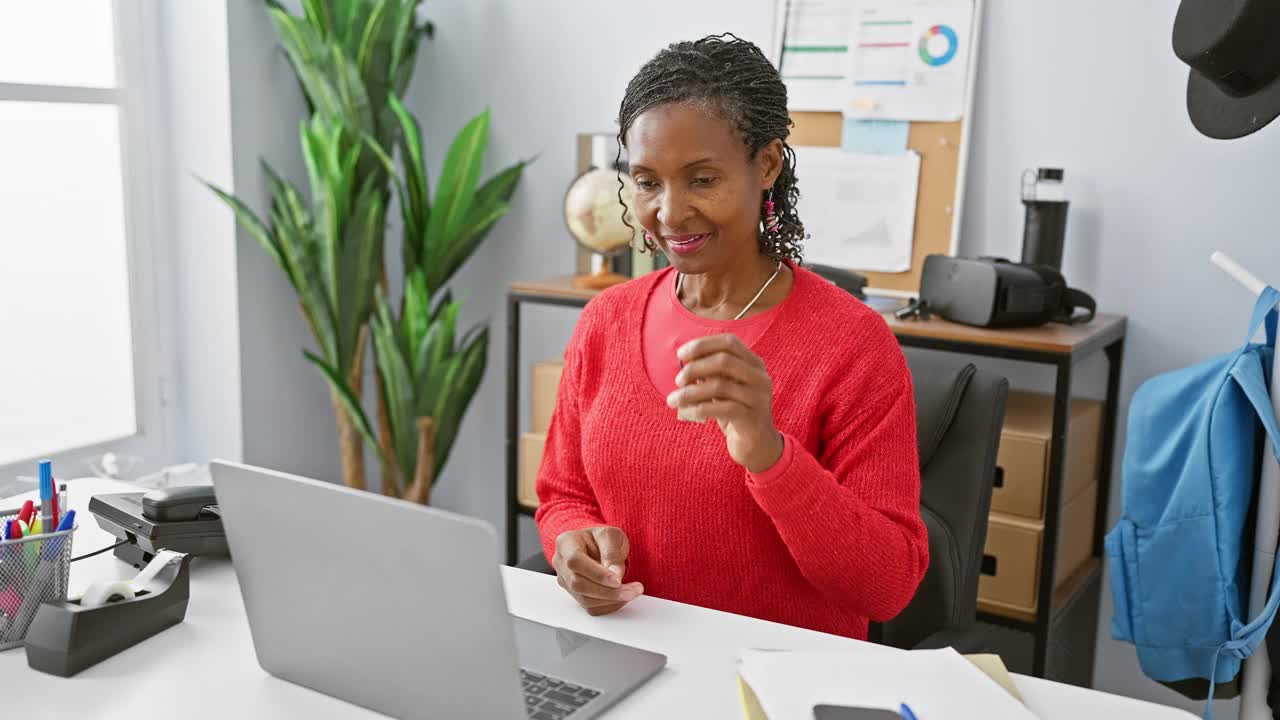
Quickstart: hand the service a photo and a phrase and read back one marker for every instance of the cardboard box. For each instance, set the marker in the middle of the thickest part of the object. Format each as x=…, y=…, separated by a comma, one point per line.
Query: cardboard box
x=545, y=385
x=530, y=458
x=1009, y=584
x=1025, y=445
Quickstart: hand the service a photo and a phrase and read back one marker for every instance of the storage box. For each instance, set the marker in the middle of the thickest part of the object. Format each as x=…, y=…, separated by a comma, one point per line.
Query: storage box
x=530, y=458
x=545, y=385
x=1010, y=579
x=1025, y=445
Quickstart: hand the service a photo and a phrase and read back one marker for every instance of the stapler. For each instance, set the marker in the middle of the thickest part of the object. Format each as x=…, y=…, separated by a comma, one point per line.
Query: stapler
x=182, y=519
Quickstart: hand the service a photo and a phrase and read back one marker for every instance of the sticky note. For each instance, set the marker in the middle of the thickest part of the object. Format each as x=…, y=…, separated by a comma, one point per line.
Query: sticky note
x=874, y=137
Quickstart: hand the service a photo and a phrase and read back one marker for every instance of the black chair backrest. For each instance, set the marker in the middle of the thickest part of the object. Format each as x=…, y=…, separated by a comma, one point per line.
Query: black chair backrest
x=959, y=414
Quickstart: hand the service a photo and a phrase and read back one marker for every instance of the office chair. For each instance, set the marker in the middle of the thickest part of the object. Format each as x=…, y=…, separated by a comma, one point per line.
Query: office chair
x=847, y=280
x=959, y=414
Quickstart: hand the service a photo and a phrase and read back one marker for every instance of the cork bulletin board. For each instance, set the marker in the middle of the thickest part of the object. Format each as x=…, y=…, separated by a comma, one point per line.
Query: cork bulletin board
x=937, y=200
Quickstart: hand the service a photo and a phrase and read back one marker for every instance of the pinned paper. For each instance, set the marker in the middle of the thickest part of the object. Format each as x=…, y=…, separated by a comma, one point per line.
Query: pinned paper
x=908, y=61
x=875, y=137
x=859, y=210
x=812, y=41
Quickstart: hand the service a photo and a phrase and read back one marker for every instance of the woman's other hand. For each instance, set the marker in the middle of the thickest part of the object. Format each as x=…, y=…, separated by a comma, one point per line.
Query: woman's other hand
x=590, y=564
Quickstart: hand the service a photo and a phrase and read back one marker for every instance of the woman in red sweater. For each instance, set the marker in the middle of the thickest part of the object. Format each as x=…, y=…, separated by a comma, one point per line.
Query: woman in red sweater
x=733, y=431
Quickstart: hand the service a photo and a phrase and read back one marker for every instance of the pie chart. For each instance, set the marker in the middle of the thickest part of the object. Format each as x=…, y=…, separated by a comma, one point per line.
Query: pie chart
x=938, y=45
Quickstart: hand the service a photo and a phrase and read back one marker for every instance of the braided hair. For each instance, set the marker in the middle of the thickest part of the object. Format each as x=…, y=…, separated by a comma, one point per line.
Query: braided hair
x=734, y=77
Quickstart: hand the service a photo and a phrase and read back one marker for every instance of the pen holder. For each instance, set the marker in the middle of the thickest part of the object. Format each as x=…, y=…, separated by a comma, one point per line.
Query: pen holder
x=33, y=571
x=67, y=637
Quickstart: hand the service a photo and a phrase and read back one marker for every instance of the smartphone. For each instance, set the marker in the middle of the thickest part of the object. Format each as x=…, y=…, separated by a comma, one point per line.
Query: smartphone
x=844, y=712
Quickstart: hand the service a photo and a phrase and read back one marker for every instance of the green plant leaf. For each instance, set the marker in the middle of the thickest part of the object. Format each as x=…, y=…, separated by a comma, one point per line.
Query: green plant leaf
x=398, y=388
x=250, y=222
x=423, y=370
x=348, y=399
x=359, y=268
x=502, y=186
x=308, y=53
x=296, y=235
x=477, y=228
x=317, y=14
x=462, y=382
x=415, y=315
x=456, y=190
x=404, y=44
x=371, y=54
x=489, y=207
x=416, y=212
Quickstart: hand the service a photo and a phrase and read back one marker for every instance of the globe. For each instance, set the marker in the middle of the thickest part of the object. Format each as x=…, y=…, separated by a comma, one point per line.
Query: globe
x=595, y=217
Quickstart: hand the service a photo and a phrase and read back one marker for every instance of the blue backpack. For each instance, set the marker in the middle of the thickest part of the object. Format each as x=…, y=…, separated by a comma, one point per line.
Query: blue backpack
x=1180, y=561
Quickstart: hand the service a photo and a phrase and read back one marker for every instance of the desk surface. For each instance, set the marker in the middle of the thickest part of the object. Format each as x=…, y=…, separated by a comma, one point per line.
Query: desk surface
x=205, y=667
x=1053, y=338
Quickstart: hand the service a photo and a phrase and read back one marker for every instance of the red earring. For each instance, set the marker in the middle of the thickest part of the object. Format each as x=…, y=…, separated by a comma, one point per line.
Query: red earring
x=771, y=223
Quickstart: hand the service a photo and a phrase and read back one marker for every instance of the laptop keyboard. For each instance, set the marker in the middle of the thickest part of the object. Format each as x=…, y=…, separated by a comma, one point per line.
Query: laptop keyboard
x=548, y=698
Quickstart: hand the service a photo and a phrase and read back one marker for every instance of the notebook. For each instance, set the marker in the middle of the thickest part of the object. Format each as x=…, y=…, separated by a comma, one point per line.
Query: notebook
x=778, y=685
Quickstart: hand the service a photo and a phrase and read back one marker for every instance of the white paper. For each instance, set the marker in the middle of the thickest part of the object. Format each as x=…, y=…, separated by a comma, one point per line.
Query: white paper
x=908, y=60
x=859, y=211
x=934, y=683
x=812, y=42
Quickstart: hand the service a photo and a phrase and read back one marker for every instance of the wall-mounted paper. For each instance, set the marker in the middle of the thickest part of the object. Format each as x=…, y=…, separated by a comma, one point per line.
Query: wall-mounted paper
x=908, y=60
x=811, y=40
x=874, y=137
x=858, y=210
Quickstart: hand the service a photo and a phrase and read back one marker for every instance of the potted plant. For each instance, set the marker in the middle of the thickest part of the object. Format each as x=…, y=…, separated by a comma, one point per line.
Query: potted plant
x=354, y=59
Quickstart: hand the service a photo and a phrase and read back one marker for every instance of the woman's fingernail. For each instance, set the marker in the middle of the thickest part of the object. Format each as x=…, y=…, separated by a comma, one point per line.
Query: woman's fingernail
x=680, y=378
x=673, y=399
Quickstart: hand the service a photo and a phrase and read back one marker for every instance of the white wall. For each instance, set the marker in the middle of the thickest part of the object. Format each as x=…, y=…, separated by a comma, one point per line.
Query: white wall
x=194, y=100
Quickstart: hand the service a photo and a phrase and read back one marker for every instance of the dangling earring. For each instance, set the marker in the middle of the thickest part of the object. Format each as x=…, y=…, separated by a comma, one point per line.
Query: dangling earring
x=771, y=223
x=647, y=237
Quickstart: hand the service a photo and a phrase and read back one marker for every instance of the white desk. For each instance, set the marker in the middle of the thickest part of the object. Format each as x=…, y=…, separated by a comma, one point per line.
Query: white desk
x=205, y=667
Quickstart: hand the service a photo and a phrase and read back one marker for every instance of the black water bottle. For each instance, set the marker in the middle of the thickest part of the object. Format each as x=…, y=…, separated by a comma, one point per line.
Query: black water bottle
x=1045, y=229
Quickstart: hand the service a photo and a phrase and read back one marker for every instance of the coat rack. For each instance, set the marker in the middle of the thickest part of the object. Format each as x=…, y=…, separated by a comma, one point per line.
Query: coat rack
x=1257, y=670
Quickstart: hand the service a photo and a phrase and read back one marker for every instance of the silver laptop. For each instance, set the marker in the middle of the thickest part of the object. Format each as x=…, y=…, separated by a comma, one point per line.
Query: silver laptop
x=400, y=608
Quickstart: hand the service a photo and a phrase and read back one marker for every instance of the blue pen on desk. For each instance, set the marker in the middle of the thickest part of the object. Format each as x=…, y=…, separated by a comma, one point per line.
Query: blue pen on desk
x=905, y=712
x=46, y=496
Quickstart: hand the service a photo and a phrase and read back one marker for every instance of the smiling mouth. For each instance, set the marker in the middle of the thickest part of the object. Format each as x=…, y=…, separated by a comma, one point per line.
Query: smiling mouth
x=685, y=240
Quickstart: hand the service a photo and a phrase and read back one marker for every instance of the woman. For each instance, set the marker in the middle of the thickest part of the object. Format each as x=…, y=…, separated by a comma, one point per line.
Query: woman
x=733, y=431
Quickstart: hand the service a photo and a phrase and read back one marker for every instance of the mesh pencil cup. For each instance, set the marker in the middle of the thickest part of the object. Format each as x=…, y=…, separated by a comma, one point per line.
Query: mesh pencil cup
x=33, y=571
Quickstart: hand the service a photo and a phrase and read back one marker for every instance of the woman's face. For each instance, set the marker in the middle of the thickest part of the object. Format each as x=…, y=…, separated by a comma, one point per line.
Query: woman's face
x=698, y=191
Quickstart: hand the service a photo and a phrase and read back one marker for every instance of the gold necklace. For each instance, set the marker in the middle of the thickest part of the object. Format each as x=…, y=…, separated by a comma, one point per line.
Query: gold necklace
x=765, y=286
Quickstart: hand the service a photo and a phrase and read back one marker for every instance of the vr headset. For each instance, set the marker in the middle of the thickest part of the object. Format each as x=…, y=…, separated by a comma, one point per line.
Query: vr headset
x=993, y=292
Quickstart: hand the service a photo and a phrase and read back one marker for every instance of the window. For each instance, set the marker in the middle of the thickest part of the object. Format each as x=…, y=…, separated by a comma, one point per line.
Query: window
x=80, y=366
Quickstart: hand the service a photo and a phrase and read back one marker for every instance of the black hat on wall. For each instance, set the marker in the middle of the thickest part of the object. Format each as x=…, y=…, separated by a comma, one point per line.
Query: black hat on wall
x=1233, y=49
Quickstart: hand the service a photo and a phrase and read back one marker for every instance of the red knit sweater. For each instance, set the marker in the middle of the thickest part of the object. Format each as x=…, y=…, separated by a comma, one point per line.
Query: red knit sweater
x=832, y=541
